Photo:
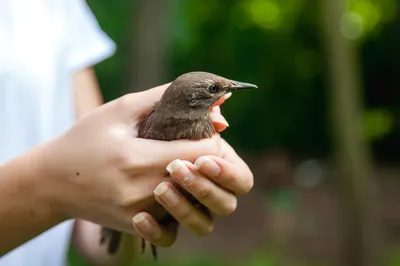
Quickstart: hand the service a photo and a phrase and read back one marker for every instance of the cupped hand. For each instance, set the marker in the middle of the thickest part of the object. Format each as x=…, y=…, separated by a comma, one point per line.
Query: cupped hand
x=213, y=180
x=103, y=173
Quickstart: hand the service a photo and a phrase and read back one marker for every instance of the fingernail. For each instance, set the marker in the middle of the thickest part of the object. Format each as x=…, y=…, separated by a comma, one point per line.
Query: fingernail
x=177, y=168
x=234, y=204
x=228, y=95
x=167, y=195
x=218, y=118
x=174, y=166
x=139, y=217
x=189, y=177
x=144, y=225
x=208, y=166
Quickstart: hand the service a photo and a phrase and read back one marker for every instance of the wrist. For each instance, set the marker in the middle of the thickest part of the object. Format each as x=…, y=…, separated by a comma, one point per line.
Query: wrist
x=44, y=181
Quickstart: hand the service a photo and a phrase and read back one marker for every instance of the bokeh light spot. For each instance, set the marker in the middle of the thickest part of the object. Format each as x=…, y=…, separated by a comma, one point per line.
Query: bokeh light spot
x=266, y=14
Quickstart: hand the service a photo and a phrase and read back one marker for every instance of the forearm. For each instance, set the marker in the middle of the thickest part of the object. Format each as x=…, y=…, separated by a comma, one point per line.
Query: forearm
x=87, y=95
x=26, y=208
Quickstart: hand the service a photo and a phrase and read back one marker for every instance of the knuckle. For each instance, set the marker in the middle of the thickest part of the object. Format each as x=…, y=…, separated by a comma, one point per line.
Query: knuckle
x=204, y=193
x=205, y=230
x=128, y=158
x=117, y=158
x=247, y=185
x=227, y=209
x=126, y=198
x=130, y=161
x=125, y=102
x=184, y=215
x=215, y=149
x=231, y=180
x=123, y=157
x=118, y=197
x=123, y=201
x=210, y=147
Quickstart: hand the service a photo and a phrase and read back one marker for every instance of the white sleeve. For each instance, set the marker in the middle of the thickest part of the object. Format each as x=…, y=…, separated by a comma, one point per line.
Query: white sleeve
x=87, y=44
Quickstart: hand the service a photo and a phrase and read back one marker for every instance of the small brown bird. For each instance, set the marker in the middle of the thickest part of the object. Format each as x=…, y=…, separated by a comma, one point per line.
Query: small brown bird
x=183, y=112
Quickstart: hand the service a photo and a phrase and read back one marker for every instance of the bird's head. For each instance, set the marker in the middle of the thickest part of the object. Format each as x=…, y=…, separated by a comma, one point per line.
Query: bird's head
x=198, y=92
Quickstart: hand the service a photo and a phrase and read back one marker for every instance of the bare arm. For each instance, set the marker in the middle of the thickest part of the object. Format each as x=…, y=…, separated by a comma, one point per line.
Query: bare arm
x=26, y=208
x=86, y=235
x=21, y=187
x=88, y=173
x=87, y=95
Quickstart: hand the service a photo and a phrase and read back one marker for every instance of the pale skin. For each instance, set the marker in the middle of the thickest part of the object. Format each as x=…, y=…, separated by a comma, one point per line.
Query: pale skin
x=99, y=172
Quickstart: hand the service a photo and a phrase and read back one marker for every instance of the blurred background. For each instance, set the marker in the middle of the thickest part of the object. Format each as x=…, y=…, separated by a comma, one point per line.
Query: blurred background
x=321, y=133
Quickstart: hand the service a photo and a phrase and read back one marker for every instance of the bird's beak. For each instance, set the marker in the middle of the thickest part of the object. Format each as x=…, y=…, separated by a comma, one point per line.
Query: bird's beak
x=236, y=85
x=241, y=86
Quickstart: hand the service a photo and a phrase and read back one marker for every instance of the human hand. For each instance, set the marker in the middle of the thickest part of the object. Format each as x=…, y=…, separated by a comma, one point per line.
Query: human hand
x=216, y=182
x=102, y=173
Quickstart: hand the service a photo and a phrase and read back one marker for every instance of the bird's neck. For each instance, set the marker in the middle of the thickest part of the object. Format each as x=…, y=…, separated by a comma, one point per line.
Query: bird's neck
x=184, y=114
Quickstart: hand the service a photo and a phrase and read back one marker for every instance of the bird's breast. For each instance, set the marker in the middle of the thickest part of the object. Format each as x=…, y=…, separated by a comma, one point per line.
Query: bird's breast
x=162, y=127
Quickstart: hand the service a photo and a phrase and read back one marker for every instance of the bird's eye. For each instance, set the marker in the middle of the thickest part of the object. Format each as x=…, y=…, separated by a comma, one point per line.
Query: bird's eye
x=213, y=88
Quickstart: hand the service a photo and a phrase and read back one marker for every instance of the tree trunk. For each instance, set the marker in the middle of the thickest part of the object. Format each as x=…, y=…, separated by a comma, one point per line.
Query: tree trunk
x=352, y=152
x=149, y=41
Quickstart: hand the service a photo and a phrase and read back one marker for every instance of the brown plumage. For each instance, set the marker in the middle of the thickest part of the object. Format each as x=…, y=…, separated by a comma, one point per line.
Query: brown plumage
x=183, y=112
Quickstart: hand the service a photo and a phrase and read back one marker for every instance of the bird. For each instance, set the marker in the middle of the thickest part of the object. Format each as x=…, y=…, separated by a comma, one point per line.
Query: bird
x=183, y=112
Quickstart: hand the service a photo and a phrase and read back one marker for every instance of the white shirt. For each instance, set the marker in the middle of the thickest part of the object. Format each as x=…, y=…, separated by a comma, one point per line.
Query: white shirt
x=42, y=42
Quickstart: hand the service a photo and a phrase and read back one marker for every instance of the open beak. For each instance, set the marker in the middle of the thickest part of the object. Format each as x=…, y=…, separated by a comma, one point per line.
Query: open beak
x=236, y=85
x=241, y=86
x=219, y=121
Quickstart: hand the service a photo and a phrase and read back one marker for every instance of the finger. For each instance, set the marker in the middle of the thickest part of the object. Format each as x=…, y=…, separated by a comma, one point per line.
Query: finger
x=215, y=198
x=156, y=92
x=168, y=151
x=137, y=104
x=230, y=172
x=219, y=121
x=149, y=229
x=146, y=99
x=182, y=210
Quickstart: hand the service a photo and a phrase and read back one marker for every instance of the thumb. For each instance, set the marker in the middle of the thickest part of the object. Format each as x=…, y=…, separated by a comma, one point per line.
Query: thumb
x=141, y=102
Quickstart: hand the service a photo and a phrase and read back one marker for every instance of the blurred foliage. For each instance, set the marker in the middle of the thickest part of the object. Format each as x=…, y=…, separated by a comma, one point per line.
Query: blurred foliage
x=394, y=256
x=259, y=42
x=276, y=45
x=114, y=19
x=258, y=258
x=365, y=17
